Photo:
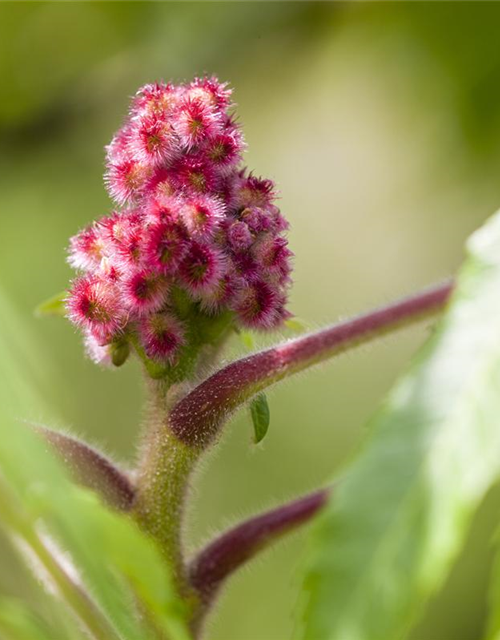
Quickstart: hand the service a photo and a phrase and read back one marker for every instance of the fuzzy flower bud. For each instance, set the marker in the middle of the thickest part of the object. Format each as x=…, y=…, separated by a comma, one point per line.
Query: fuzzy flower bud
x=197, y=238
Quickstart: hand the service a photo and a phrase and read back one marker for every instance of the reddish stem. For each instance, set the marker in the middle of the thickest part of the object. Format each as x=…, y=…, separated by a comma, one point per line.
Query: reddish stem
x=91, y=468
x=232, y=549
x=197, y=418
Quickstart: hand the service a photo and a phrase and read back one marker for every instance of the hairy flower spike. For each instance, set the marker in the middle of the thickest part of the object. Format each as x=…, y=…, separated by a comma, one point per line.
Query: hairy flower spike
x=152, y=141
x=145, y=291
x=165, y=246
x=125, y=180
x=213, y=91
x=201, y=215
x=239, y=236
x=224, y=150
x=98, y=354
x=86, y=249
x=197, y=120
x=94, y=305
x=260, y=306
x=161, y=335
x=196, y=238
x=201, y=268
x=154, y=99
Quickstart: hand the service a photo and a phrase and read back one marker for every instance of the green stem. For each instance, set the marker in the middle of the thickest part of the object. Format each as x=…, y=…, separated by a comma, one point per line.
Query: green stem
x=164, y=469
x=165, y=462
x=177, y=432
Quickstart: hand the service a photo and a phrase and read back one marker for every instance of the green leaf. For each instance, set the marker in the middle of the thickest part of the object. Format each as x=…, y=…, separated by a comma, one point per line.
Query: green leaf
x=117, y=563
x=40, y=509
x=401, y=512
x=27, y=377
x=247, y=340
x=259, y=410
x=54, y=306
x=493, y=632
x=297, y=325
x=20, y=622
x=120, y=351
x=294, y=325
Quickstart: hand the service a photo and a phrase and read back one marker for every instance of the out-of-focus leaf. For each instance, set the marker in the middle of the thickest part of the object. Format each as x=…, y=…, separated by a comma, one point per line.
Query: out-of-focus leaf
x=120, y=352
x=293, y=325
x=494, y=618
x=296, y=325
x=18, y=622
x=24, y=366
x=400, y=515
x=259, y=410
x=247, y=340
x=121, y=568
x=53, y=306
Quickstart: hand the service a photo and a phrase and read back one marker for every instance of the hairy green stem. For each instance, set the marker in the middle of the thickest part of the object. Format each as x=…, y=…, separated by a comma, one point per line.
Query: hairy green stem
x=178, y=432
x=164, y=469
x=165, y=462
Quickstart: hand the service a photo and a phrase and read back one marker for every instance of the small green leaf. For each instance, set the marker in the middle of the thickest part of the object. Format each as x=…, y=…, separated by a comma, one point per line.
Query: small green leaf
x=247, y=340
x=401, y=513
x=112, y=558
x=120, y=351
x=259, y=410
x=54, y=306
x=297, y=325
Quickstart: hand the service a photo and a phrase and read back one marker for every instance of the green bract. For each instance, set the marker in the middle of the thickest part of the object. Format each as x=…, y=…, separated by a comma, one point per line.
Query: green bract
x=259, y=410
x=54, y=306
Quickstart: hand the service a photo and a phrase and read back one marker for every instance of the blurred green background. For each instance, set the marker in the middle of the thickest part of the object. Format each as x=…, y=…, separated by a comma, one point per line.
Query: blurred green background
x=381, y=125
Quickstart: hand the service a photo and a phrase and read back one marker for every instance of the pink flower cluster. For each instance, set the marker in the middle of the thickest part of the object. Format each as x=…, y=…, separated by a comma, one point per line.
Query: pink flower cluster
x=190, y=219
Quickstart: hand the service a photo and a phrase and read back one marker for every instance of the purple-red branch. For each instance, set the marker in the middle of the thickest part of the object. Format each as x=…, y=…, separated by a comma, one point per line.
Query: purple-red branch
x=91, y=468
x=197, y=418
x=238, y=545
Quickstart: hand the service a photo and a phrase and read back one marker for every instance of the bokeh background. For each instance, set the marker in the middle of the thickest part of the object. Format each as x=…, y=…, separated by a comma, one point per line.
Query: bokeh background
x=381, y=125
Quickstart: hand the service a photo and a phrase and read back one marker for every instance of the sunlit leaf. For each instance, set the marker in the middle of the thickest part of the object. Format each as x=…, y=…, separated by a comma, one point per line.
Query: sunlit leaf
x=403, y=507
x=24, y=366
x=19, y=622
x=494, y=618
x=259, y=410
x=247, y=339
x=297, y=325
x=119, y=565
x=53, y=306
x=121, y=568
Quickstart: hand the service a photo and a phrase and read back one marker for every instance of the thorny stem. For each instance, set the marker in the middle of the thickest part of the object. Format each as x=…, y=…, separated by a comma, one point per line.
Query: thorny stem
x=224, y=555
x=199, y=416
